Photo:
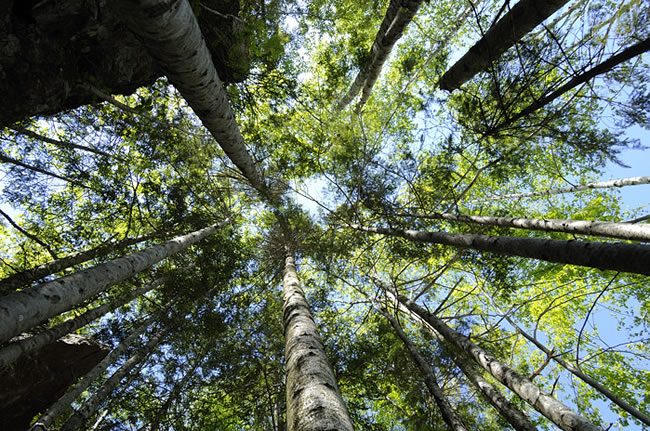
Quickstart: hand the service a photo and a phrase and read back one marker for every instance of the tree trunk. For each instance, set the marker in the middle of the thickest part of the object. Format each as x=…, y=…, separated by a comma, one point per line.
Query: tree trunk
x=66, y=400
x=558, y=413
x=398, y=15
x=22, y=310
x=13, y=161
x=60, y=144
x=521, y=19
x=624, y=231
x=313, y=398
x=515, y=417
x=622, y=182
x=582, y=376
x=624, y=257
x=450, y=417
x=171, y=34
x=79, y=418
x=606, y=66
x=15, y=350
x=28, y=276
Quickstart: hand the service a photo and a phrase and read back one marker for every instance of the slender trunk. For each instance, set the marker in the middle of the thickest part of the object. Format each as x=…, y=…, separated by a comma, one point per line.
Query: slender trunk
x=171, y=34
x=79, y=418
x=450, y=417
x=606, y=66
x=632, y=181
x=624, y=231
x=29, y=235
x=162, y=412
x=624, y=257
x=313, y=398
x=22, y=310
x=558, y=413
x=12, y=161
x=521, y=19
x=582, y=376
x=398, y=15
x=16, y=349
x=57, y=143
x=66, y=400
x=28, y=276
x=515, y=417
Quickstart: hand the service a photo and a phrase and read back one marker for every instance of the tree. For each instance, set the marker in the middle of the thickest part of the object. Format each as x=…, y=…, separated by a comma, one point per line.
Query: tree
x=251, y=346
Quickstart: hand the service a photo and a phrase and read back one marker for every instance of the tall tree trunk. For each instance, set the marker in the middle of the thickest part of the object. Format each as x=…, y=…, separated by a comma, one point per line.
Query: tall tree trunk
x=521, y=19
x=450, y=417
x=79, y=418
x=398, y=15
x=625, y=231
x=16, y=349
x=578, y=373
x=66, y=400
x=171, y=34
x=28, y=276
x=604, y=67
x=60, y=144
x=22, y=310
x=515, y=417
x=558, y=413
x=313, y=398
x=624, y=257
x=13, y=161
x=622, y=182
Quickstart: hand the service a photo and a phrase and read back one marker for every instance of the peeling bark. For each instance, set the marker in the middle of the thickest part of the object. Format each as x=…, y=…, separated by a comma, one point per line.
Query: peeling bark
x=313, y=398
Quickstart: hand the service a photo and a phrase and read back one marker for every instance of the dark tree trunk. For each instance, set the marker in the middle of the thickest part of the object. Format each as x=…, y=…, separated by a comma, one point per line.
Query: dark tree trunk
x=521, y=19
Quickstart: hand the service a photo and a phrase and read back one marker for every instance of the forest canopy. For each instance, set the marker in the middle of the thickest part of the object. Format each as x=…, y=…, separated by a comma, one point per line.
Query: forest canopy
x=327, y=215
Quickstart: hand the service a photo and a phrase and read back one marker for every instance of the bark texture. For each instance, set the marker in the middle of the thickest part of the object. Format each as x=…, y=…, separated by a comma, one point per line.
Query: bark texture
x=16, y=349
x=558, y=413
x=23, y=310
x=398, y=15
x=47, y=48
x=79, y=418
x=171, y=34
x=521, y=19
x=65, y=401
x=34, y=383
x=453, y=421
x=622, y=182
x=623, y=257
x=314, y=402
x=625, y=231
x=28, y=276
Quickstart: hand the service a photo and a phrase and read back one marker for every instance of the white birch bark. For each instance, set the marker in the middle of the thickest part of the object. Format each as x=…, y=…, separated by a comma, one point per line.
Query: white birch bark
x=622, y=182
x=14, y=350
x=66, y=399
x=625, y=231
x=453, y=421
x=79, y=418
x=28, y=276
x=23, y=310
x=558, y=413
x=170, y=32
x=623, y=257
x=313, y=398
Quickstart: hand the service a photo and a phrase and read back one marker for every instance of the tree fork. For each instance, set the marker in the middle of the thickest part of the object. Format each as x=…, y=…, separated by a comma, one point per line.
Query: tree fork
x=623, y=257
